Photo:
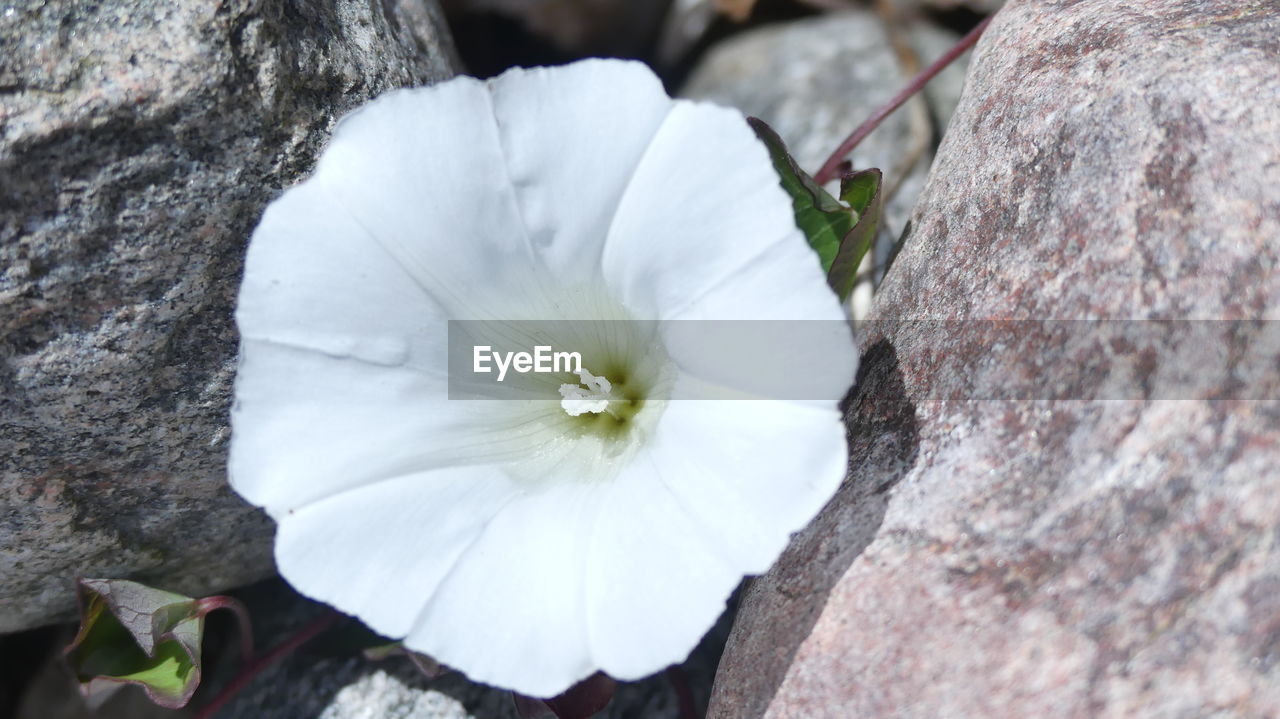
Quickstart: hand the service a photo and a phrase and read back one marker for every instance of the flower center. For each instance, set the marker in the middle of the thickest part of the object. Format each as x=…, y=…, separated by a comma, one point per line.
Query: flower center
x=589, y=419
x=609, y=410
x=595, y=397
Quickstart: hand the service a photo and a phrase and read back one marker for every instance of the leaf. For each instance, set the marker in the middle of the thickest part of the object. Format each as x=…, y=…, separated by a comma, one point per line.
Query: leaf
x=823, y=219
x=133, y=634
x=840, y=231
x=737, y=10
x=861, y=190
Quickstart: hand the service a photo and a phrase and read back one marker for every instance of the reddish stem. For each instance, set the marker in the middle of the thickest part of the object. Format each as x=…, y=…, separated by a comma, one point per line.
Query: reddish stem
x=831, y=169
x=209, y=604
x=271, y=656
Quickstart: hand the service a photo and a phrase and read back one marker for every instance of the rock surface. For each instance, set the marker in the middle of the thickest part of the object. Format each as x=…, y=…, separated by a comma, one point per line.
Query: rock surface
x=139, y=142
x=1060, y=557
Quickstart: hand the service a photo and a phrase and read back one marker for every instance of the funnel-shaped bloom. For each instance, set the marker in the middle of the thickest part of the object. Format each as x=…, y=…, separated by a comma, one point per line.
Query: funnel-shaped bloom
x=599, y=523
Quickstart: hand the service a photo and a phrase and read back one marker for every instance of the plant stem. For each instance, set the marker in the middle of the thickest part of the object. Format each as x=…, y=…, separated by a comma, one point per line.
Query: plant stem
x=271, y=656
x=831, y=168
x=208, y=604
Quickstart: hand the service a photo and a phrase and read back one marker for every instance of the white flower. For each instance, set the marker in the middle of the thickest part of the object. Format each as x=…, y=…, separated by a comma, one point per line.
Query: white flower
x=602, y=524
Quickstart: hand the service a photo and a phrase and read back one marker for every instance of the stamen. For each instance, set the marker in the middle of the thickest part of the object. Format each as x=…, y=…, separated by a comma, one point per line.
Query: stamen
x=594, y=398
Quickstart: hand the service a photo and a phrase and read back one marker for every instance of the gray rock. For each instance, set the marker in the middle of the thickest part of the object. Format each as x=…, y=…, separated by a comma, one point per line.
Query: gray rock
x=382, y=696
x=1060, y=557
x=139, y=142
x=815, y=80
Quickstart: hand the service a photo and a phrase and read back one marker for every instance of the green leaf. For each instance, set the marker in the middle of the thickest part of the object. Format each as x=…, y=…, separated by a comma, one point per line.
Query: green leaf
x=822, y=218
x=862, y=191
x=133, y=634
x=169, y=674
x=840, y=231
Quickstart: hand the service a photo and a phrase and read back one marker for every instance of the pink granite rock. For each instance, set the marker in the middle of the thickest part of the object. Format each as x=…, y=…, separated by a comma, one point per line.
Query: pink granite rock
x=1112, y=546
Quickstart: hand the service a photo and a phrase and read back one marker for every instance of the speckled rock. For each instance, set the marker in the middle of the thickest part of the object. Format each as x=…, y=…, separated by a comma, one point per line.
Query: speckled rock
x=382, y=696
x=139, y=142
x=1059, y=557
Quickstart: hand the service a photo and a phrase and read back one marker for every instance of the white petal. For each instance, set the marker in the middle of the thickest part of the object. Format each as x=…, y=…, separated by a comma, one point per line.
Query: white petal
x=512, y=612
x=423, y=172
x=811, y=362
x=380, y=551
x=314, y=279
x=656, y=581
x=772, y=329
x=751, y=471
x=573, y=135
x=308, y=426
x=785, y=282
x=703, y=205
x=713, y=496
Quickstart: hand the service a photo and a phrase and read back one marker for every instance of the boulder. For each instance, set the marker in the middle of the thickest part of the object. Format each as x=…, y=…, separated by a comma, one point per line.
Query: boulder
x=1061, y=519
x=139, y=142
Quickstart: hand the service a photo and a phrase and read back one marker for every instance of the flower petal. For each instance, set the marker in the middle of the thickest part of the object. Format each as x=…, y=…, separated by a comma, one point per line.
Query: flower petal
x=811, y=362
x=656, y=580
x=703, y=205
x=784, y=282
x=572, y=137
x=380, y=551
x=512, y=612
x=714, y=495
x=751, y=472
x=309, y=426
x=314, y=279
x=423, y=172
